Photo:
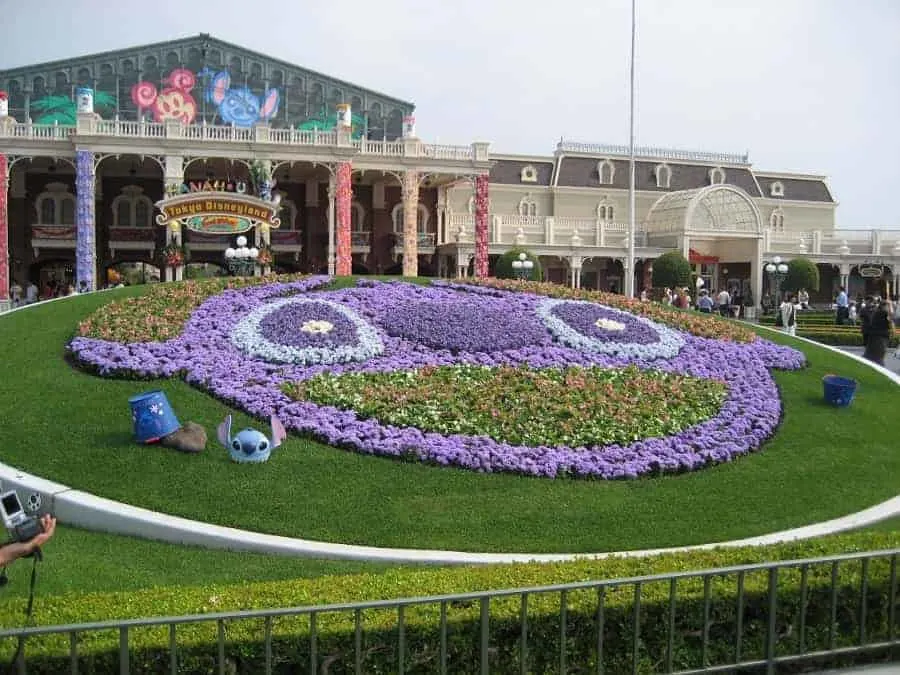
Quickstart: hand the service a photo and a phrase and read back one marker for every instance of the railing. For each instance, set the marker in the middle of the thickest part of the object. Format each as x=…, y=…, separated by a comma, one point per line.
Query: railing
x=360, y=239
x=258, y=134
x=798, y=612
x=654, y=153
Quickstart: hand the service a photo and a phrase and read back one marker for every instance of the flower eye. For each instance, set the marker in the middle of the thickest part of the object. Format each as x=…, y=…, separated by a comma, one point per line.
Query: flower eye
x=262, y=445
x=236, y=444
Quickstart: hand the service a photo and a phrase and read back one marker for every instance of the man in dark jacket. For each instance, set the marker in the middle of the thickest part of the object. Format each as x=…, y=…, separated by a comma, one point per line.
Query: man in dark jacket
x=879, y=336
x=865, y=318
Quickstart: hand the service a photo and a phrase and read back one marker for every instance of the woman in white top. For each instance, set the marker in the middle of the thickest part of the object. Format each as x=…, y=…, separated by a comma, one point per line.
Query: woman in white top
x=788, y=311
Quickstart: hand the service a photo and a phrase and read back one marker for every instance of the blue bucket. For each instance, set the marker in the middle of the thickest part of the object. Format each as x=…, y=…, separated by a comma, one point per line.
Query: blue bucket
x=152, y=416
x=839, y=391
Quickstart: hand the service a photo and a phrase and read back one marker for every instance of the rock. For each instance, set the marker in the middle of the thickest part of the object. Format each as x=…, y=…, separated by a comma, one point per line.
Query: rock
x=189, y=438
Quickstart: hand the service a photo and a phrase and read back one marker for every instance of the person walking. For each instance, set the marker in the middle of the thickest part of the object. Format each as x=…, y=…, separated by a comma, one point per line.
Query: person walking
x=842, y=304
x=724, y=301
x=880, y=329
x=788, y=311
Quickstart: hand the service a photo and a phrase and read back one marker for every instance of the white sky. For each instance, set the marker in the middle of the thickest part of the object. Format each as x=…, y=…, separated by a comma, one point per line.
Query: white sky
x=805, y=85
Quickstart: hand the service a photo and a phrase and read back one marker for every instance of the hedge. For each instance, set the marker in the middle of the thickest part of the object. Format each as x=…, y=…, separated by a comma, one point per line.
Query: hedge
x=336, y=634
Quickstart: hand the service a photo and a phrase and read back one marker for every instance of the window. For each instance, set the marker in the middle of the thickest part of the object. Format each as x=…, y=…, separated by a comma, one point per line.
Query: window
x=357, y=218
x=397, y=218
x=132, y=208
x=528, y=175
x=527, y=207
x=56, y=206
x=288, y=214
x=716, y=176
x=776, y=220
x=776, y=189
x=606, y=170
x=606, y=211
x=663, y=175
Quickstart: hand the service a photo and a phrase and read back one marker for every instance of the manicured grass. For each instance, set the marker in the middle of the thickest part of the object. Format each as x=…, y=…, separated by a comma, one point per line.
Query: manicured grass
x=75, y=428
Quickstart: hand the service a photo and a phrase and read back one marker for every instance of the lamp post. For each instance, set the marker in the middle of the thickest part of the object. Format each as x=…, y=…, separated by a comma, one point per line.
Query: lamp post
x=632, y=219
x=241, y=261
x=776, y=270
x=522, y=267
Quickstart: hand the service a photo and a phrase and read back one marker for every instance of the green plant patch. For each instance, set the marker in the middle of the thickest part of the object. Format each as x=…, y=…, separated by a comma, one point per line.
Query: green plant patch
x=524, y=406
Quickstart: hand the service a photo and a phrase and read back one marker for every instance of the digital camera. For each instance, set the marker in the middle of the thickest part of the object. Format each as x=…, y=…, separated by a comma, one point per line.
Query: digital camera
x=19, y=524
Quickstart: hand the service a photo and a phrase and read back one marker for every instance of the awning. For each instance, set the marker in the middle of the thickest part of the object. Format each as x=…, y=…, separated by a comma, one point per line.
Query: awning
x=696, y=258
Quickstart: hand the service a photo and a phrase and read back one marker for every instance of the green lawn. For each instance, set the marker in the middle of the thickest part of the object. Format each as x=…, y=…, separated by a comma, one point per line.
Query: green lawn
x=76, y=429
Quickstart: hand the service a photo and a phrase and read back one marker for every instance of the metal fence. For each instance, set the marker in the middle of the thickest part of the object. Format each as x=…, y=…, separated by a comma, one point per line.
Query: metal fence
x=787, y=612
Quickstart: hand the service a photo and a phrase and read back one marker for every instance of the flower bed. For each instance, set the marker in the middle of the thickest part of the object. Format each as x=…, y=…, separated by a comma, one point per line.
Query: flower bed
x=439, y=326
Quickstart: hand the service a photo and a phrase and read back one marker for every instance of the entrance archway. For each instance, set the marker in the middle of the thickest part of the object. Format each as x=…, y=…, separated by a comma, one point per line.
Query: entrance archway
x=714, y=208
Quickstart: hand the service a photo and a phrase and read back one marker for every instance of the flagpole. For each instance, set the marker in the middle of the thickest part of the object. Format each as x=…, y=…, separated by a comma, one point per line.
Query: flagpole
x=629, y=261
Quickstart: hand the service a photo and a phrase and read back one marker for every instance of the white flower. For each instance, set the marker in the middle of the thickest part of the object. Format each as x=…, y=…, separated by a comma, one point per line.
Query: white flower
x=609, y=324
x=315, y=326
x=247, y=337
x=670, y=341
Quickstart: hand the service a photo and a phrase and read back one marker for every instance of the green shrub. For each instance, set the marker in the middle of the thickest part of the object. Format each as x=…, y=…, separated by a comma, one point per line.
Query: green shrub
x=670, y=270
x=504, y=268
x=802, y=600
x=801, y=273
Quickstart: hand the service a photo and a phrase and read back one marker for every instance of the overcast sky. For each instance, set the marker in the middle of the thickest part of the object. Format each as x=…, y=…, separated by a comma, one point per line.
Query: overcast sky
x=803, y=85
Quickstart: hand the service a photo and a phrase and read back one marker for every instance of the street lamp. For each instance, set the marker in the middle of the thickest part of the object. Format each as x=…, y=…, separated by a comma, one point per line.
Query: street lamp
x=241, y=261
x=522, y=267
x=776, y=270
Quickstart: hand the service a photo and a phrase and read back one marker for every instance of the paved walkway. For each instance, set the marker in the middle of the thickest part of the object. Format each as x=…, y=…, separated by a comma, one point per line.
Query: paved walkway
x=890, y=362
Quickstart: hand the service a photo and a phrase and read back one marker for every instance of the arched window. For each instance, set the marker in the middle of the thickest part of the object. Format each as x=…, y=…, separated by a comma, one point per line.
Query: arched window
x=132, y=208
x=663, y=175
x=358, y=218
x=606, y=170
x=527, y=206
x=777, y=189
x=288, y=214
x=776, y=220
x=528, y=174
x=55, y=206
x=716, y=176
x=606, y=212
x=397, y=218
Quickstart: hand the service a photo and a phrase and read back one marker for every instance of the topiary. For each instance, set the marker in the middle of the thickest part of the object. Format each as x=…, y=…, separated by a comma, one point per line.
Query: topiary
x=801, y=273
x=671, y=270
x=504, y=268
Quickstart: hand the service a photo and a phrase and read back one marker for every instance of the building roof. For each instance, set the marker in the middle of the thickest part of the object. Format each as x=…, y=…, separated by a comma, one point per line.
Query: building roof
x=584, y=172
x=202, y=39
x=509, y=172
x=812, y=189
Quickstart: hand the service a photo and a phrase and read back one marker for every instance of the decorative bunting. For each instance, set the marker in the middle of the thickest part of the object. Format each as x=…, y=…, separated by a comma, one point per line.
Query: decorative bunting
x=343, y=199
x=85, y=226
x=481, y=226
x=4, y=229
x=411, y=224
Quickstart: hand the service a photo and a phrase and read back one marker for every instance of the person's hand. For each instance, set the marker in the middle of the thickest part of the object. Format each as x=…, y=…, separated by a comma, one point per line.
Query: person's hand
x=49, y=524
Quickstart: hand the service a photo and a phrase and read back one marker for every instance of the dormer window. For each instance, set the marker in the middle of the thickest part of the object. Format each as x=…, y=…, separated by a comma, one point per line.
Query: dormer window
x=776, y=189
x=663, y=175
x=527, y=206
x=776, y=220
x=528, y=174
x=56, y=206
x=606, y=170
x=605, y=211
x=716, y=176
x=132, y=208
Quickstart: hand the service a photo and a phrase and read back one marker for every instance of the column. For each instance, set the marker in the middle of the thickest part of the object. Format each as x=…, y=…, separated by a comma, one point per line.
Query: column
x=332, y=190
x=4, y=233
x=85, y=225
x=173, y=179
x=344, y=195
x=410, y=224
x=756, y=277
x=481, y=226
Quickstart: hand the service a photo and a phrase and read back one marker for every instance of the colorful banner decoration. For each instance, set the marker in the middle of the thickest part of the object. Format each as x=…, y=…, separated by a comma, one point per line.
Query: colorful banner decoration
x=343, y=198
x=4, y=228
x=481, y=226
x=218, y=212
x=85, y=228
x=53, y=232
x=410, y=224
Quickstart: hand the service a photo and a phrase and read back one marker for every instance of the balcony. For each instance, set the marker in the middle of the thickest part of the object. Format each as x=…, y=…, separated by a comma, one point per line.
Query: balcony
x=52, y=237
x=131, y=239
x=425, y=244
x=360, y=242
x=295, y=138
x=542, y=231
x=859, y=243
x=287, y=241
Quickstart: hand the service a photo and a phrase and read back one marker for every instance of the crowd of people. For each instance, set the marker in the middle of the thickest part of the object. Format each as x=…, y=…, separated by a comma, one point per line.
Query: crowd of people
x=52, y=289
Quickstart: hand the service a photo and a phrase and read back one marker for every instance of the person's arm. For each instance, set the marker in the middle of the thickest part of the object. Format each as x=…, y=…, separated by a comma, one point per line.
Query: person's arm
x=20, y=549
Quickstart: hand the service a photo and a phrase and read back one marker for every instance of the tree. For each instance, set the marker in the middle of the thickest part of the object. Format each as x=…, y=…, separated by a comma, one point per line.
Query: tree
x=801, y=273
x=504, y=268
x=671, y=270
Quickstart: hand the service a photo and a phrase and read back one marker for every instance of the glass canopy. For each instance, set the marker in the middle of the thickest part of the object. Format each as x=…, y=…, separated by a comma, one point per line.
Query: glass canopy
x=722, y=208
